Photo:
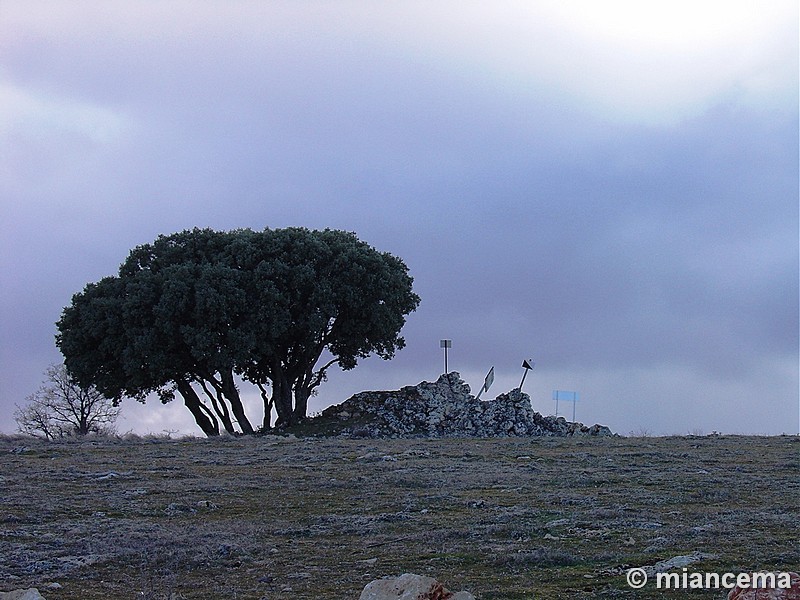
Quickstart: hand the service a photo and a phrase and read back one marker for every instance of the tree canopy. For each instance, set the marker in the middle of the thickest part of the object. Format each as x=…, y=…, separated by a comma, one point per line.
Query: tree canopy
x=195, y=311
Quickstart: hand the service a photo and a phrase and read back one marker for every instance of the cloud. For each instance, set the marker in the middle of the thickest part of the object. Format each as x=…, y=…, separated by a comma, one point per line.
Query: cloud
x=655, y=63
x=622, y=60
x=37, y=116
x=612, y=193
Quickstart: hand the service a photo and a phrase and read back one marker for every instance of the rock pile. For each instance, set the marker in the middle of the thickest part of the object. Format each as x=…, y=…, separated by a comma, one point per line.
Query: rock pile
x=446, y=408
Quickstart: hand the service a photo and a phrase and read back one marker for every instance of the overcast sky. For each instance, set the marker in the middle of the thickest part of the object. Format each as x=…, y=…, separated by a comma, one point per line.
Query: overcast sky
x=609, y=188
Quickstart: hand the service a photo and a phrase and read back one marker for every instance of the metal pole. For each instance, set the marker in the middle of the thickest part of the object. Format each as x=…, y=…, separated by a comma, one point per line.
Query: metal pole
x=574, y=402
x=527, y=365
x=445, y=344
x=556, y=404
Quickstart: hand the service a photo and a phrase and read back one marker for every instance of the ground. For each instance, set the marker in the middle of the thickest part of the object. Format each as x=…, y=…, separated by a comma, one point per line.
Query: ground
x=282, y=517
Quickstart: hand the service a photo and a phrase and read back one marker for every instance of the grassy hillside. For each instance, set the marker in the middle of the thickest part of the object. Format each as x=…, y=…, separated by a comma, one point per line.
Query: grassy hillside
x=276, y=517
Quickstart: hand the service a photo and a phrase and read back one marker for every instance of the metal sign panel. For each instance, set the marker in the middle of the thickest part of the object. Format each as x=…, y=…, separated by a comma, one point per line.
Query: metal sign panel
x=487, y=383
x=446, y=344
x=568, y=396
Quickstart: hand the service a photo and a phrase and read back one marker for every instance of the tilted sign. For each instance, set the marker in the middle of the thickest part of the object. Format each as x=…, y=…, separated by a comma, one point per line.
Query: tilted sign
x=487, y=383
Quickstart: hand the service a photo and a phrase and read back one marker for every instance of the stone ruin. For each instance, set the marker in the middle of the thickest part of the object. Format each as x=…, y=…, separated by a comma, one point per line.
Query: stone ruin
x=445, y=408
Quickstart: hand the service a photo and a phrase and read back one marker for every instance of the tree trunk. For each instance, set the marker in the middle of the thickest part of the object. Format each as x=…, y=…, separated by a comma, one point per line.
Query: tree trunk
x=204, y=419
x=232, y=394
x=268, y=403
x=283, y=405
x=282, y=396
x=301, y=395
x=217, y=402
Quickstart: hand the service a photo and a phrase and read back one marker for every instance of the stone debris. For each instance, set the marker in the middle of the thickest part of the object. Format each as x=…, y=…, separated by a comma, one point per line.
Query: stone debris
x=446, y=408
x=105, y=476
x=558, y=523
x=588, y=533
x=777, y=593
x=410, y=587
x=176, y=508
x=676, y=562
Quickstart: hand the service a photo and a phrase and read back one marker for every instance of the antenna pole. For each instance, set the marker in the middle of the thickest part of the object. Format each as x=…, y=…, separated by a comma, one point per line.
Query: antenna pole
x=445, y=344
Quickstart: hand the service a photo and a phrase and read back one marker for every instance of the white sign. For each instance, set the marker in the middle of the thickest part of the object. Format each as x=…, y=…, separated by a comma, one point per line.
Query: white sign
x=487, y=383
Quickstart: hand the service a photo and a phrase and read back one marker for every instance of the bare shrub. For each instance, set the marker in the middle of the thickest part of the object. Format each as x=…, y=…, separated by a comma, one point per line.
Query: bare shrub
x=61, y=408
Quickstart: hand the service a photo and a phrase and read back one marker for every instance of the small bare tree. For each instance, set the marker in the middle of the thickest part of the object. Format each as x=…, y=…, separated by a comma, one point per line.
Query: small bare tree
x=62, y=408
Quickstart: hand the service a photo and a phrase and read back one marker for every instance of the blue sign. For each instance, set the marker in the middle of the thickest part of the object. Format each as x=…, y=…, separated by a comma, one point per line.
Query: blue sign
x=568, y=396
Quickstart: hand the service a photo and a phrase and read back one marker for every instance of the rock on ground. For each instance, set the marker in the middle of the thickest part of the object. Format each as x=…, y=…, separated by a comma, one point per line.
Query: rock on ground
x=410, y=587
x=30, y=594
x=792, y=593
x=676, y=562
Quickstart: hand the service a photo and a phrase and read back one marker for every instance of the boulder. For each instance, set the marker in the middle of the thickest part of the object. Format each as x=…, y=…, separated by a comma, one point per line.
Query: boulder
x=410, y=587
x=777, y=593
x=30, y=594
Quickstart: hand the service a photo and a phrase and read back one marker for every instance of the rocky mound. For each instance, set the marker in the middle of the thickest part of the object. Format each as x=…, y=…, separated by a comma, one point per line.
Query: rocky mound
x=444, y=408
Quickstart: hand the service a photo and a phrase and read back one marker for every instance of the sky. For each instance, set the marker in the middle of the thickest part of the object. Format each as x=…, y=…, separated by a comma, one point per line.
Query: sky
x=607, y=188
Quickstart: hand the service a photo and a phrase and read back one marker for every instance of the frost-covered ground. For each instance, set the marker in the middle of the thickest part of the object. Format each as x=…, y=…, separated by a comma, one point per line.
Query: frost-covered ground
x=274, y=517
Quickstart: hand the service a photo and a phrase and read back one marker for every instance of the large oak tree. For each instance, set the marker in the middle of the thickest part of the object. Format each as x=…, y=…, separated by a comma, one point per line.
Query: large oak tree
x=196, y=311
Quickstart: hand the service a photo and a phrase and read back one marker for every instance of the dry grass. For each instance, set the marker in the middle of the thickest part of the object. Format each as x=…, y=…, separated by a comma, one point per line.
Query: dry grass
x=271, y=517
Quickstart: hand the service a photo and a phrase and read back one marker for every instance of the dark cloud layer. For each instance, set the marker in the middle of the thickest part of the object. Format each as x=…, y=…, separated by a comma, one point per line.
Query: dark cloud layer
x=647, y=255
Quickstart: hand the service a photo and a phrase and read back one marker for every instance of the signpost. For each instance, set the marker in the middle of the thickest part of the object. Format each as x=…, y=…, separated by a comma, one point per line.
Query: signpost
x=561, y=395
x=445, y=344
x=487, y=383
x=527, y=365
